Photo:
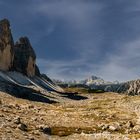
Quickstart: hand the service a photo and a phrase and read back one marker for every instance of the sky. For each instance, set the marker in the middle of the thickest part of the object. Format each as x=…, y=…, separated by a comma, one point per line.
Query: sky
x=75, y=39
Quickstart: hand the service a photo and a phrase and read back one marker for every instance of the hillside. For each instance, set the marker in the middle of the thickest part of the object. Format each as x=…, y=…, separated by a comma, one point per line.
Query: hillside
x=102, y=116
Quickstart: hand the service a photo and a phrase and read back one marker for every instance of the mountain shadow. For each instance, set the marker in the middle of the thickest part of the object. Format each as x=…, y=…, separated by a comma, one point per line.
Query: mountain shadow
x=73, y=96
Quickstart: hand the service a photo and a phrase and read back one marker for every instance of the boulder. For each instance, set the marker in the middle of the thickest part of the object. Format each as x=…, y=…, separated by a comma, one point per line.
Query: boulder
x=114, y=127
x=22, y=127
x=6, y=46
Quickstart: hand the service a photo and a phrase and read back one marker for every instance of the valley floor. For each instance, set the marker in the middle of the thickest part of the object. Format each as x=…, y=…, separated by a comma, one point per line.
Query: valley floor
x=103, y=116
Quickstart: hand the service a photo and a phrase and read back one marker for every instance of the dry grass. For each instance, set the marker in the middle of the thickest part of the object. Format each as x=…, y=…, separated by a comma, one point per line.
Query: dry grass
x=71, y=117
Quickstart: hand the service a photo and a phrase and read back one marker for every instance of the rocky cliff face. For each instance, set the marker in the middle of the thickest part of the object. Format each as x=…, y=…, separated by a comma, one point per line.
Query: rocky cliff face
x=130, y=88
x=6, y=46
x=37, y=71
x=19, y=57
x=24, y=58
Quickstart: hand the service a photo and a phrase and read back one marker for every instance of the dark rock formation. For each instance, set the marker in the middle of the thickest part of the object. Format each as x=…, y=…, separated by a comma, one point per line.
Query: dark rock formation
x=37, y=71
x=6, y=46
x=47, y=78
x=24, y=58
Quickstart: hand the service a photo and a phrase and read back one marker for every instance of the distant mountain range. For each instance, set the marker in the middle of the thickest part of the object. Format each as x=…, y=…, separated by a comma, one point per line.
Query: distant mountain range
x=94, y=82
x=91, y=81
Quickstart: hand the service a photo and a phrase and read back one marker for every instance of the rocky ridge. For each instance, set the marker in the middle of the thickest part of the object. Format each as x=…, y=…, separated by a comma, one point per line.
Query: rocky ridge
x=129, y=88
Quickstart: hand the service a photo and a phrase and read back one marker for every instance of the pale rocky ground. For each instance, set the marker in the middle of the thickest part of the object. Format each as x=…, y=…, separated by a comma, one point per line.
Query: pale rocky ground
x=103, y=116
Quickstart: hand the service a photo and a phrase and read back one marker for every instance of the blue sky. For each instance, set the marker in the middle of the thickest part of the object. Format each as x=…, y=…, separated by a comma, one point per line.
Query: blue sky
x=74, y=39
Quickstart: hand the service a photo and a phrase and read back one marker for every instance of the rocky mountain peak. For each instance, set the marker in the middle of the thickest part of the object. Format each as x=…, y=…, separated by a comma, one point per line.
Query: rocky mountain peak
x=25, y=57
x=5, y=23
x=24, y=45
x=94, y=77
x=6, y=46
x=19, y=57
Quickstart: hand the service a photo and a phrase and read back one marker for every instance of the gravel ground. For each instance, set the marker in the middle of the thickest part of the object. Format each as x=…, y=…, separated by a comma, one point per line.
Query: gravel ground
x=104, y=116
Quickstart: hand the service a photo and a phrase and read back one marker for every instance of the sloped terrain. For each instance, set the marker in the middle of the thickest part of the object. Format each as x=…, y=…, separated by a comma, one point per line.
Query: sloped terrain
x=100, y=116
x=129, y=88
x=34, y=88
x=35, y=108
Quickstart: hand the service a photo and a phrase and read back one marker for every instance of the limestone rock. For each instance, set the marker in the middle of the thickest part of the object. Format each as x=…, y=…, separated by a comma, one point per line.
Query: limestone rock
x=130, y=124
x=130, y=87
x=17, y=120
x=137, y=128
x=114, y=127
x=22, y=127
x=6, y=46
x=25, y=57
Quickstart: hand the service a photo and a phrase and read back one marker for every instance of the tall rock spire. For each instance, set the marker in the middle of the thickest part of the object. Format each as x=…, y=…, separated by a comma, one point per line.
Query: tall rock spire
x=25, y=57
x=6, y=46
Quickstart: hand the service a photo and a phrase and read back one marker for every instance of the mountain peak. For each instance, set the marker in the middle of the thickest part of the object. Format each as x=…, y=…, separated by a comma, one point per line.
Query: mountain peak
x=18, y=57
x=93, y=77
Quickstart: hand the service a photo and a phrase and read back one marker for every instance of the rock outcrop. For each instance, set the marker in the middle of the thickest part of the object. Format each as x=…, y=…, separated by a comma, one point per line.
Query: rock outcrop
x=130, y=88
x=6, y=46
x=25, y=57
